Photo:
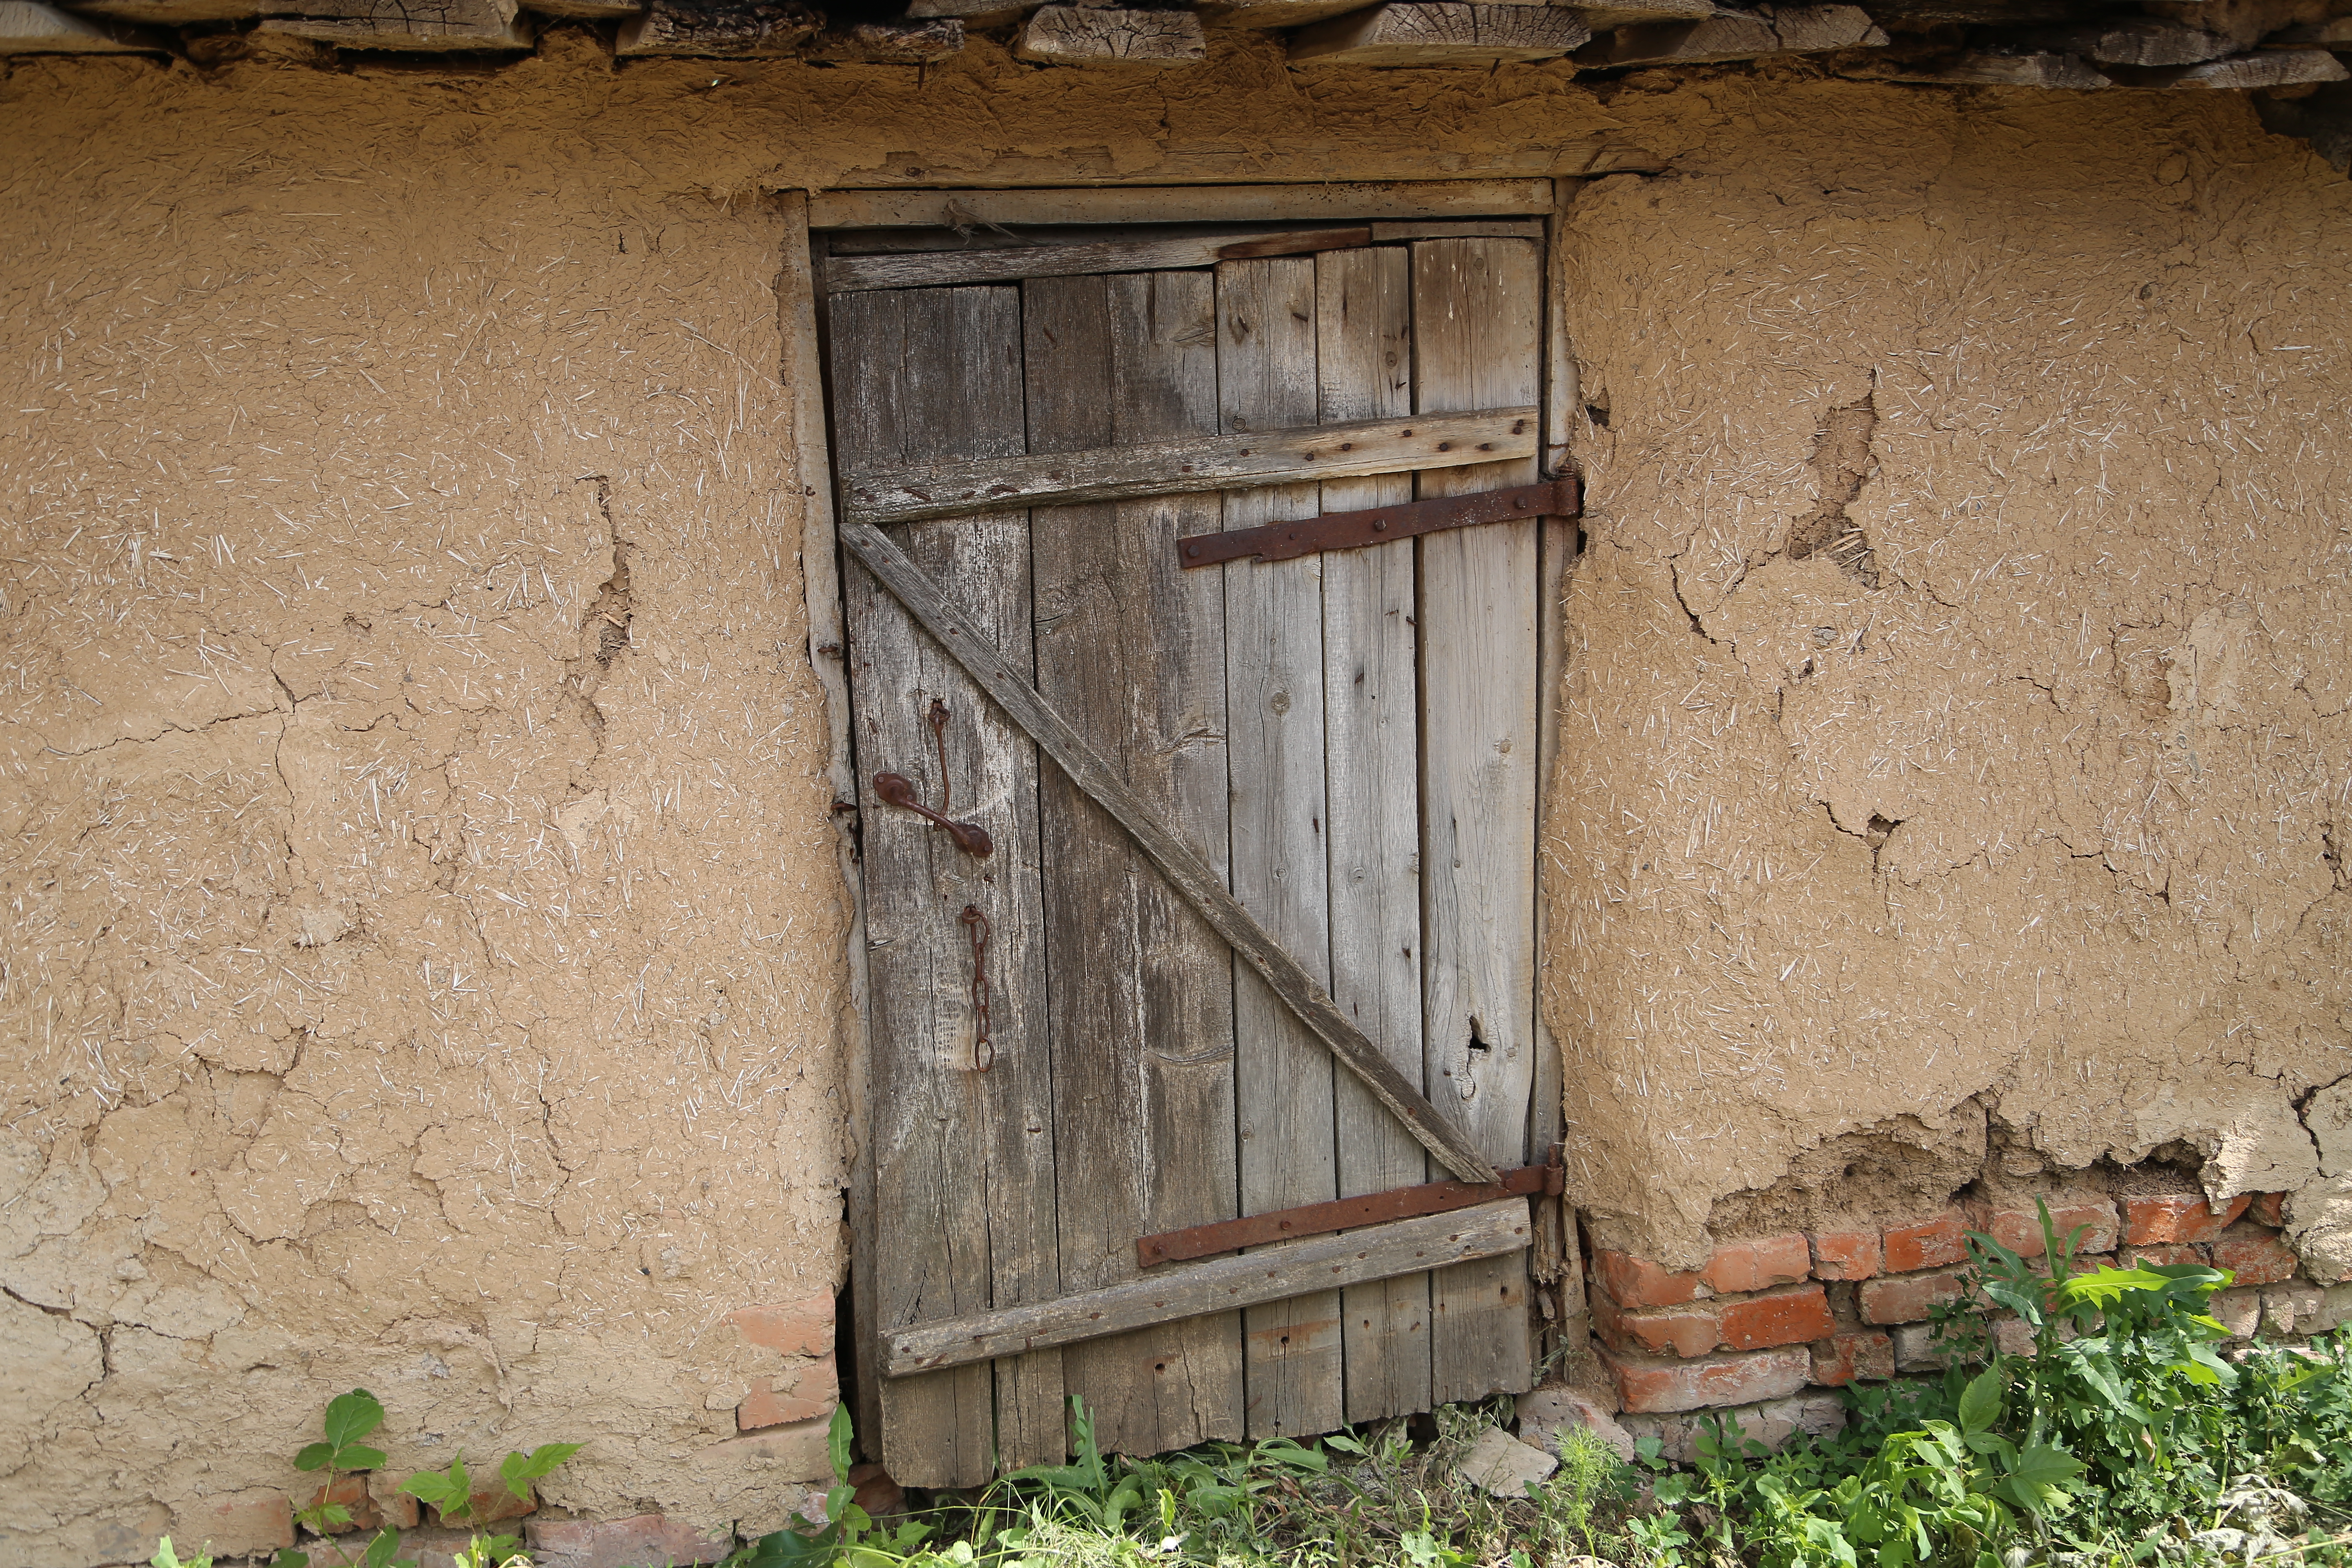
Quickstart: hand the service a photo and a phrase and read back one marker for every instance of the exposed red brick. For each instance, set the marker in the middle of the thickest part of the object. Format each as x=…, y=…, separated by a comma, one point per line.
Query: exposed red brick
x=1647, y=1385
x=236, y=1524
x=1633, y=1281
x=1840, y=1359
x=621, y=1542
x=1907, y=1298
x=1846, y=1255
x=1788, y=1317
x=1931, y=1244
x=1690, y=1330
x=491, y=1503
x=2167, y=1256
x=2268, y=1208
x=2178, y=1216
x=795, y=1328
x=876, y=1493
x=815, y=1393
x=352, y=1492
x=799, y=1452
x=1741, y=1266
x=399, y=1510
x=2254, y=1254
x=2020, y=1230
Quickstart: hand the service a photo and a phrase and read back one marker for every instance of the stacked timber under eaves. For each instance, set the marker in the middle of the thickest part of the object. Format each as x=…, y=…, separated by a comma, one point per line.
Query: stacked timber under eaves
x=2290, y=50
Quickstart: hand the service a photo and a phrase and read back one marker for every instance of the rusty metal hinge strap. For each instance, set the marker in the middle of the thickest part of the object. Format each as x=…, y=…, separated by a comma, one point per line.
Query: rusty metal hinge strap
x=1344, y=1214
x=1378, y=525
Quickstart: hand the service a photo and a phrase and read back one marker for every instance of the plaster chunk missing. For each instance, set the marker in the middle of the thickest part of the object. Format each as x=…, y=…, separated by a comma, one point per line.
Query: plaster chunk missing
x=1842, y=463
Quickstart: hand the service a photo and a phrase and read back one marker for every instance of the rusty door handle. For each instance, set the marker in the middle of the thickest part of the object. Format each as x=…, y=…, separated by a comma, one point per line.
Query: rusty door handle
x=898, y=789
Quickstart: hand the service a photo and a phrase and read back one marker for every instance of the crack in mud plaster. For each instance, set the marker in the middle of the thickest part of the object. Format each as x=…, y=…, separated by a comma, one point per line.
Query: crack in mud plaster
x=1842, y=461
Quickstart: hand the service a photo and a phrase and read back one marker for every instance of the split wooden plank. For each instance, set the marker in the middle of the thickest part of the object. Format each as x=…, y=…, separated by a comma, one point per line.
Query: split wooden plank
x=1132, y=649
x=1439, y=32
x=1793, y=29
x=1363, y=315
x=1193, y=876
x=972, y=13
x=2270, y=67
x=1459, y=228
x=963, y=1158
x=1105, y=35
x=721, y=28
x=1604, y=15
x=1176, y=467
x=1477, y=321
x=437, y=25
x=1266, y=14
x=1270, y=203
x=2134, y=41
x=1274, y=707
x=886, y=43
x=1270, y=1274
x=921, y=269
x=27, y=27
x=591, y=10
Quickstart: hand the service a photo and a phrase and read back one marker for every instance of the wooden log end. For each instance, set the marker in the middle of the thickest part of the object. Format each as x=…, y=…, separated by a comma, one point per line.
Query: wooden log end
x=1440, y=33
x=1101, y=35
x=723, y=29
x=887, y=43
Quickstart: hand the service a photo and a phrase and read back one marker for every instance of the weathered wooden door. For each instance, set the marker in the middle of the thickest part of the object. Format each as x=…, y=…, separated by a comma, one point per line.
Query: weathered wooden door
x=1066, y=1056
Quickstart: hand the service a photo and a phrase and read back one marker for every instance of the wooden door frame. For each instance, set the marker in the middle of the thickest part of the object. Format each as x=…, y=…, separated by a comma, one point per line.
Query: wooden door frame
x=1558, y=1293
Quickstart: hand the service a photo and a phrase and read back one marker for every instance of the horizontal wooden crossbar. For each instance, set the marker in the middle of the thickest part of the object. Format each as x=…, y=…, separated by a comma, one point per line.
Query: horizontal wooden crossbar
x=1296, y=455
x=1004, y=264
x=1380, y=524
x=1340, y=1213
x=1273, y=1274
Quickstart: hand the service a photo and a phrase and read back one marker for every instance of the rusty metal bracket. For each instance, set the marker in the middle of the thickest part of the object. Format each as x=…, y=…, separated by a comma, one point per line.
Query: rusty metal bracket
x=899, y=790
x=1318, y=1219
x=1562, y=496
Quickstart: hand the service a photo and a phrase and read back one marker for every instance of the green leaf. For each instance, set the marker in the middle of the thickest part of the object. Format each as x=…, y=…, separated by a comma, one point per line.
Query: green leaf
x=380, y=1549
x=358, y=1456
x=287, y=1557
x=839, y=1439
x=518, y=1470
x=333, y=1513
x=314, y=1456
x=164, y=1556
x=1980, y=1402
x=350, y=1416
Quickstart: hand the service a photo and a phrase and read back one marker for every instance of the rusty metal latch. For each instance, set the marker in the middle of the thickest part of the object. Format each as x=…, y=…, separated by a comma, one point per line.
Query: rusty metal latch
x=898, y=789
x=1376, y=525
x=1374, y=1208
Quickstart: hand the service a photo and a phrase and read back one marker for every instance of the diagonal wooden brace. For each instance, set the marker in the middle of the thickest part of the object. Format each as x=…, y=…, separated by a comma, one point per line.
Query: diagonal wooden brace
x=1192, y=876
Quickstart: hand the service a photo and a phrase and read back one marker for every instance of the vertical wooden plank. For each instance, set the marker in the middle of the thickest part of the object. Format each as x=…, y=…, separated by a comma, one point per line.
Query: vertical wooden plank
x=964, y=1195
x=1557, y=1283
x=1274, y=701
x=1141, y=990
x=803, y=371
x=1476, y=326
x=1363, y=317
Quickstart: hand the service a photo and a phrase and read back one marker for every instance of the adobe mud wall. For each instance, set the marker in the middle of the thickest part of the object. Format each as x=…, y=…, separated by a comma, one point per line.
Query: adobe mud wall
x=425, y=950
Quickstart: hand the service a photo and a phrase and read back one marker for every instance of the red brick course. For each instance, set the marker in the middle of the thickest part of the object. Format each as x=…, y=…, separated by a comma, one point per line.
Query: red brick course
x=2168, y=1256
x=1742, y=1266
x=1907, y=1298
x=1788, y=1317
x=2020, y=1230
x=1846, y=1255
x=2178, y=1217
x=817, y=1392
x=1633, y=1281
x=1932, y=1244
x=794, y=1328
x=1868, y=1356
x=1646, y=1385
x=2254, y=1254
x=2268, y=1208
x=1685, y=1330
